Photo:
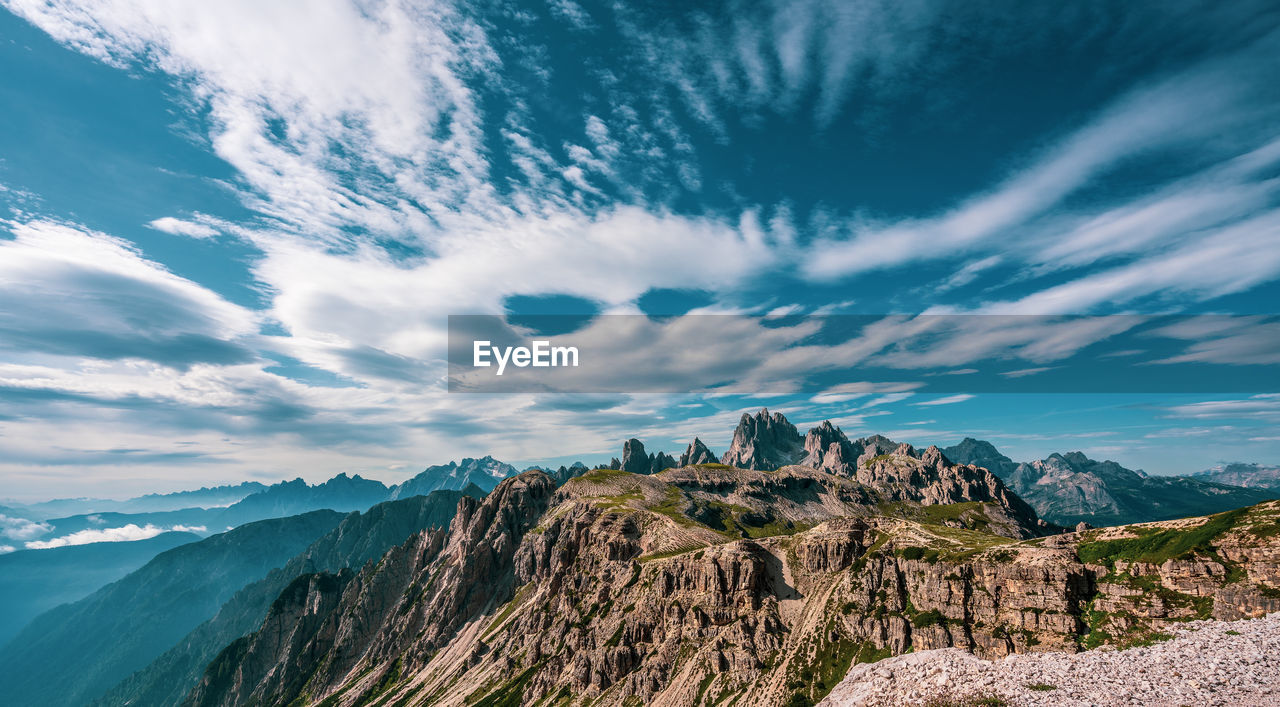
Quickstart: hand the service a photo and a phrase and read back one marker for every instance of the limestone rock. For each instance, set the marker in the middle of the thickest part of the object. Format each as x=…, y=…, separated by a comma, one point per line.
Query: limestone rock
x=764, y=442
x=697, y=453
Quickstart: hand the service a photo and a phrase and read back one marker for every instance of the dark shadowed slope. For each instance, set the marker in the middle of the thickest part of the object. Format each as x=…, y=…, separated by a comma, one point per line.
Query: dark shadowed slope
x=357, y=540
x=70, y=654
x=34, y=581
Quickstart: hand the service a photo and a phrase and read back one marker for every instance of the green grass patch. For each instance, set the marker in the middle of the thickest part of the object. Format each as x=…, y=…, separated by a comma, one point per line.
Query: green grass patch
x=1156, y=547
x=932, y=617
x=508, y=694
x=673, y=506
x=1041, y=687
x=516, y=601
x=915, y=552
x=668, y=553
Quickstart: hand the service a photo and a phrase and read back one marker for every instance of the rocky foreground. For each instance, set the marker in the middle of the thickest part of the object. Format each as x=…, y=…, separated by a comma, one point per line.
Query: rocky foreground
x=1201, y=663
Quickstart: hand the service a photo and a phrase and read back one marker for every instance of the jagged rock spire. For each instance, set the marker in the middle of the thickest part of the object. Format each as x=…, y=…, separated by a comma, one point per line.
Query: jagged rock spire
x=697, y=453
x=764, y=442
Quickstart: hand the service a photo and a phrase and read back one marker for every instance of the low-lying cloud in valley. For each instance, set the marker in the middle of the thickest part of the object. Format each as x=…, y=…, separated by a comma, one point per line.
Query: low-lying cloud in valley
x=126, y=533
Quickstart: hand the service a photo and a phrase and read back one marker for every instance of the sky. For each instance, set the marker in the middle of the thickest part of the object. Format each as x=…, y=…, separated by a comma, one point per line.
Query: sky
x=231, y=233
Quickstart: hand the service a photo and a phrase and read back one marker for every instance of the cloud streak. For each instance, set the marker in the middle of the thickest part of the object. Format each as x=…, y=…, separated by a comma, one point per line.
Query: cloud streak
x=125, y=533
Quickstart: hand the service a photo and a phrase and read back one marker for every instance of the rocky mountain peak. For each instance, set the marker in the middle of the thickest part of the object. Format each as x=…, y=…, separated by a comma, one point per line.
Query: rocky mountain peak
x=981, y=453
x=828, y=449
x=636, y=461
x=764, y=442
x=634, y=458
x=697, y=453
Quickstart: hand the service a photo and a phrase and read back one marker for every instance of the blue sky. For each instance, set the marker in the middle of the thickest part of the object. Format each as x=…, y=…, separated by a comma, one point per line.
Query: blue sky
x=232, y=232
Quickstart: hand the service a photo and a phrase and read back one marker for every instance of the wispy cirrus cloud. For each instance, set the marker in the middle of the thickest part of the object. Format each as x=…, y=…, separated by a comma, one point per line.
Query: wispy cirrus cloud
x=1262, y=406
x=948, y=400
x=1177, y=113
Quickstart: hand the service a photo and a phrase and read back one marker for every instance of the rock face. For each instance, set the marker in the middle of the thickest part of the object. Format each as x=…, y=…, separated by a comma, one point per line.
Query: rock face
x=409, y=605
x=705, y=585
x=764, y=442
x=697, y=453
x=1071, y=488
x=900, y=473
x=634, y=458
x=826, y=447
x=636, y=461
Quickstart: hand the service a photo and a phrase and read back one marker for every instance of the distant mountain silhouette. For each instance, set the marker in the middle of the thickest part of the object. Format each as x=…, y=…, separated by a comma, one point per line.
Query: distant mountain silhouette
x=76, y=651
x=34, y=581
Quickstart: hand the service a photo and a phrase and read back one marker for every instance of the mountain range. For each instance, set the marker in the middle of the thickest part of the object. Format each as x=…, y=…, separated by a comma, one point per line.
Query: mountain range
x=1066, y=489
x=258, y=502
x=82, y=648
x=655, y=578
x=207, y=497
x=711, y=583
x=188, y=602
x=357, y=540
x=1071, y=488
x=1241, y=474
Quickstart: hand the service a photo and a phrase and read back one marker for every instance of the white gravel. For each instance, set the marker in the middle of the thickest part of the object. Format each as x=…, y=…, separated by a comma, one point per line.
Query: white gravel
x=1206, y=663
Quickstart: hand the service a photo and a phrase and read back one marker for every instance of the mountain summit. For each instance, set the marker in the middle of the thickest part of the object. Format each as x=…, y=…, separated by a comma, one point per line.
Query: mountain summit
x=484, y=472
x=1071, y=488
x=764, y=442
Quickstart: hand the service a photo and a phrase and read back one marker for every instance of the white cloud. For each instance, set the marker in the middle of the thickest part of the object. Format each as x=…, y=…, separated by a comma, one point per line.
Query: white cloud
x=1200, y=103
x=21, y=528
x=381, y=81
x=948, y=400
x=178, y=227
x=127, y=533
x=5, y=549
x=1232, y=340
x=401, y=308
x=1263, y=406
x=1231, y=259
x=1024, y=372
x=71, y=291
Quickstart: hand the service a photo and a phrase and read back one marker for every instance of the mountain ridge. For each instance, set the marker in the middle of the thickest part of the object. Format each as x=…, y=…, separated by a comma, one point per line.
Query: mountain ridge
x=620, y=587
x=1070, y=488
x=356, y=540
